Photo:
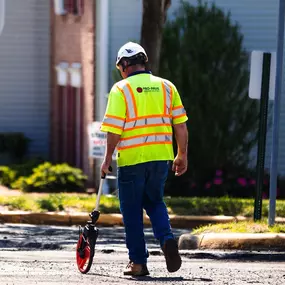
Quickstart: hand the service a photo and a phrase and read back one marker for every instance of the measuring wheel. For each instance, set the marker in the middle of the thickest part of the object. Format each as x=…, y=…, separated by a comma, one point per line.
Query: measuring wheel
x=88, y=235
x=86, y=245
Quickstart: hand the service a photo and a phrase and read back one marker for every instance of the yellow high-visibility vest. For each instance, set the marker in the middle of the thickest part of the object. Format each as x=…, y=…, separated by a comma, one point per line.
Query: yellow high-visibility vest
x=142, y=109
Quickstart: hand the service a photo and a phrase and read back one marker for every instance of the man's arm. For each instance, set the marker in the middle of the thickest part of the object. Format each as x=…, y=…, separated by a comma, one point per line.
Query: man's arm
x=112, y=141
x=181, y=161
x=113, y=124
x=179, y=118
x=181, y=136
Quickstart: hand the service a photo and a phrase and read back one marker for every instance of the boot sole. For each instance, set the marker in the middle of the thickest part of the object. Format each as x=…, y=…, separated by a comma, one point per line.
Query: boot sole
x=136, y=274
x=172, y=257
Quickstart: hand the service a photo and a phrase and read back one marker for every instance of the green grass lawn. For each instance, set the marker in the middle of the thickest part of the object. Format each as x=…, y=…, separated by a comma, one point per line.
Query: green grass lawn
x=59, y=202
x=240, y=227
x=110, y=204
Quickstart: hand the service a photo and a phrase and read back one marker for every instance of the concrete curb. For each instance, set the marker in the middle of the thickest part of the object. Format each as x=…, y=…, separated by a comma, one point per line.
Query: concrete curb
x=233, y=241
x=69, y=219
x=63, y=219
x=211, y=241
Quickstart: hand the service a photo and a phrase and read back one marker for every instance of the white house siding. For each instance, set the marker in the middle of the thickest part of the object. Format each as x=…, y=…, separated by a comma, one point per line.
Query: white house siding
x=24, y=72
x=258, y=20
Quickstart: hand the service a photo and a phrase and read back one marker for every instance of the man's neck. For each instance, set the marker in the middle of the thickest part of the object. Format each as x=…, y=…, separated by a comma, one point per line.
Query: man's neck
x=133, y=69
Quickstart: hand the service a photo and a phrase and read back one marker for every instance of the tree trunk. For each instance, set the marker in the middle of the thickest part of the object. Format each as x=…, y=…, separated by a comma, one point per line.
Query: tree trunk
x=154, y=17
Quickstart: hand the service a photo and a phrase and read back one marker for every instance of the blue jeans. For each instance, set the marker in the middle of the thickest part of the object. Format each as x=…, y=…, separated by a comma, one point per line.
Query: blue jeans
x=141, y=187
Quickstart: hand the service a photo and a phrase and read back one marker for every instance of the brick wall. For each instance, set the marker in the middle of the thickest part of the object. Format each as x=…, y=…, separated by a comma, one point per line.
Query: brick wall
x=73, y=42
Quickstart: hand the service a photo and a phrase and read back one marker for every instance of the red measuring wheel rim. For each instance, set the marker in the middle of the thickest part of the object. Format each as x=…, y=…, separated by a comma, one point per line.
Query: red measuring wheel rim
x=84, y=264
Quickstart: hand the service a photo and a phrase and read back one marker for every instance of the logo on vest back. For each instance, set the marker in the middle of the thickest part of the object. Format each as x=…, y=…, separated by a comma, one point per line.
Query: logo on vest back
x=148, y=89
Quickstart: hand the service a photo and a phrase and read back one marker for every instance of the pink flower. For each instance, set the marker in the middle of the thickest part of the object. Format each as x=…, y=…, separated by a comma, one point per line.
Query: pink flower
x=252, y=182
x=218, y=181
x=208, y=185
x=264, y=195
x=219, y=172
x=242, y=181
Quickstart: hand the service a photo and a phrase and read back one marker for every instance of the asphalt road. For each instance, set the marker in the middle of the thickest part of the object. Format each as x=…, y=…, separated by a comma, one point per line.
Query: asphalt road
x=46, y=255
x=23, y=236
x=58, y=267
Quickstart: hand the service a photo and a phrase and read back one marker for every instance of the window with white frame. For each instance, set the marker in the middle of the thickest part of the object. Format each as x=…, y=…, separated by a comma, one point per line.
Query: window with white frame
x=75, y=7
x=70, y=114
x=62, y=7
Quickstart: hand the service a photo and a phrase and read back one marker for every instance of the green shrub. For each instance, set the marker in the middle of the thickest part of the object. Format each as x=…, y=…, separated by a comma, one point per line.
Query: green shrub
x=203, y=55
x=52, y=178
x=10, y=174
x=18, y=184
x=26, y=168
x=7, y=176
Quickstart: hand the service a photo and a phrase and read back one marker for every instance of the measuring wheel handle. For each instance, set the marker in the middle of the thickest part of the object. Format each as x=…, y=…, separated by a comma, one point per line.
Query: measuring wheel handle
x=88, y=235
x=94, y=215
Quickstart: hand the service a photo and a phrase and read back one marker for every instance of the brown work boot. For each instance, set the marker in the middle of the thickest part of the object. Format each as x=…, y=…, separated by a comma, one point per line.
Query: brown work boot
x=136, y=269
x=171, y=254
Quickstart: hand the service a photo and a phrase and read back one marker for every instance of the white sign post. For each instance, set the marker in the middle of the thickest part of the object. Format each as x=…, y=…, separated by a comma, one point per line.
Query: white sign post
x=262, y=84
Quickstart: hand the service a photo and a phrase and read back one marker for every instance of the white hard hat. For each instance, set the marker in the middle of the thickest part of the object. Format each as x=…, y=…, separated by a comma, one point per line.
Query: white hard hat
x=130, y=49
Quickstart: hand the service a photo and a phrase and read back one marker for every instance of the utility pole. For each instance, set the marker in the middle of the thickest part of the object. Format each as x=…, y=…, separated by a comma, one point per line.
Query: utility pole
x=276, y=114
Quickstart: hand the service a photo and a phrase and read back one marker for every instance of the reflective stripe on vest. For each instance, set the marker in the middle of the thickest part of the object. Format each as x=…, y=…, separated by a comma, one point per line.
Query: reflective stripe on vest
x=165, y=138
x=167, y=92
x=146, y=122
x=178, y=111
x=130, y=100
x=114, y=122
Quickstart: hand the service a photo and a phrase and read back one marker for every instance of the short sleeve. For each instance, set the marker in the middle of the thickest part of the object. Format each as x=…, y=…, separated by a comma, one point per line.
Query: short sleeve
x=178, y=112
x=115, y=115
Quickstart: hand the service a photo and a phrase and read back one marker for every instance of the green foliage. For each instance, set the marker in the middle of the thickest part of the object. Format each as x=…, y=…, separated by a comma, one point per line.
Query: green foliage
x=52, y=178
x=26, y=168
x=82, y=202
x=203, y=55
x=52, y=203
x=10, y=174
x=209, y=206
x=15, y=144
x=7, y=176
x=19, y=203
x=240, y=227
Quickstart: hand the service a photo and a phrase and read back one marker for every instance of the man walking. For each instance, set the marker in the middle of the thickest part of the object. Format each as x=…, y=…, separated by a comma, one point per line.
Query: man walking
x=140, y=114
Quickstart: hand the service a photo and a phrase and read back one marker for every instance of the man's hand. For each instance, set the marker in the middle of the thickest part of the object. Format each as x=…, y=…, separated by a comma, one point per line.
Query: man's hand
x=105, y=167
x=180, y=164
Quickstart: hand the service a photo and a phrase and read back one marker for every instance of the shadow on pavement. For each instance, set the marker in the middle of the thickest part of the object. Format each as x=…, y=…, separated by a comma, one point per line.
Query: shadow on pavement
x=238, y=256
x=169, y=279
x=152, y=279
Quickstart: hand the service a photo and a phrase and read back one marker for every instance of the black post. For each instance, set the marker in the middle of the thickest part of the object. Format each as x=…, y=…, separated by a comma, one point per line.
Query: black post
x=262, y=135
